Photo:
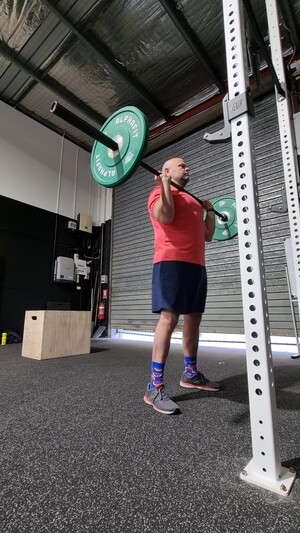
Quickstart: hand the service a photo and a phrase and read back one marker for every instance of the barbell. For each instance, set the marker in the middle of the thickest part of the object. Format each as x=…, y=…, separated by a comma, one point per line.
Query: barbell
x=118, y=151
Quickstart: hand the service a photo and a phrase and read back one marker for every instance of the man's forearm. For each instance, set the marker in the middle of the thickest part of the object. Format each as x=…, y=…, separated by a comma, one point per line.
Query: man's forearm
x=164, y=207
x=210, y=226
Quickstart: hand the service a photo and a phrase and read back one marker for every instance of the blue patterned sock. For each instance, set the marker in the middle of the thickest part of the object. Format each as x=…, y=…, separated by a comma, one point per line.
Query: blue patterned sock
x=157, y=375
x=190, y=366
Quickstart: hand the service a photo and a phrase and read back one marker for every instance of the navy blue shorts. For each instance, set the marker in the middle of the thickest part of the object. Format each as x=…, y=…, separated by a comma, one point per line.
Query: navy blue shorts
x=178, y=286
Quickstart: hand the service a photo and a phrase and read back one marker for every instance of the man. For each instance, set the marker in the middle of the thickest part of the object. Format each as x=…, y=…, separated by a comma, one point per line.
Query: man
x=179, y=282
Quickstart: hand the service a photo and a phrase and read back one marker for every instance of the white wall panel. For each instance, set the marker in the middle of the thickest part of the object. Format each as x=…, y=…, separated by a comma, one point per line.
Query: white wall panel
x=32, y=169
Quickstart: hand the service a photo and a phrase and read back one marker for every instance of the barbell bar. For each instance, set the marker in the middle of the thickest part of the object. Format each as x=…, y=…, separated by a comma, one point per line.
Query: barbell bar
x=126, y=145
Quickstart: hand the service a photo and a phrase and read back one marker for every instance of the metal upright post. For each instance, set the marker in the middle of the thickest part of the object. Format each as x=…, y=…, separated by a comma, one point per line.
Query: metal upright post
x=290, y=164
x=265, y=468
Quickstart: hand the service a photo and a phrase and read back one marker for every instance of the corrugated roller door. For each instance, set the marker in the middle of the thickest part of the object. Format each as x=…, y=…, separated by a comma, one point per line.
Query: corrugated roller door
x=211, y=175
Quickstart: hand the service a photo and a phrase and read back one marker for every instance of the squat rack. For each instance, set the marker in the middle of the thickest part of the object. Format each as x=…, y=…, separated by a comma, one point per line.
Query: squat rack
x=264, y=469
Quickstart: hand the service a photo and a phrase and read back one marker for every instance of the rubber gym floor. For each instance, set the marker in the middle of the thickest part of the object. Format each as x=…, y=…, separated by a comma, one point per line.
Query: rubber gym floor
x=82, y=452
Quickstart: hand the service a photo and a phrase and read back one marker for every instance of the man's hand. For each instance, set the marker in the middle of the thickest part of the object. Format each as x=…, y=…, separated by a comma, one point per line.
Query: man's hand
x=206, y=204
x=162, y=179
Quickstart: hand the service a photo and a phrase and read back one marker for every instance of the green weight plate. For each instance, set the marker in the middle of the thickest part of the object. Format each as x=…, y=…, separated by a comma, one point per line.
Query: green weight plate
x=129, y=128
x=225, y=230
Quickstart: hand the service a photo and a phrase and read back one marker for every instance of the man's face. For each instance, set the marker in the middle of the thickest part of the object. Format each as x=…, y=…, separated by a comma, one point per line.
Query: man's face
x=178, y=170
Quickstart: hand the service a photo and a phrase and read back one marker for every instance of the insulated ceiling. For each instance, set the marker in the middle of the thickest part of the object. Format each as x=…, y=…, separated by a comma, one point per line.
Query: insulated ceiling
x=166, y=57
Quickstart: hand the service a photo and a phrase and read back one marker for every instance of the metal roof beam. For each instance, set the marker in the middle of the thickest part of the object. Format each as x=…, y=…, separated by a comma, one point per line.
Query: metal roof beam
x=107, y=56
x=55, y=87
x=193, y=41
x=22, y=92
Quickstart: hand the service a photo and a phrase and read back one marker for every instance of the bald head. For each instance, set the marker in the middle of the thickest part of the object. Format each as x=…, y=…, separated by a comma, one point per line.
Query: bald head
x=177, y=169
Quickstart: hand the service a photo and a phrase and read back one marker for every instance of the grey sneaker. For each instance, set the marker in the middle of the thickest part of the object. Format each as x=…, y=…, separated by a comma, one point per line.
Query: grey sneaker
x=199, y=381
x=160, y=401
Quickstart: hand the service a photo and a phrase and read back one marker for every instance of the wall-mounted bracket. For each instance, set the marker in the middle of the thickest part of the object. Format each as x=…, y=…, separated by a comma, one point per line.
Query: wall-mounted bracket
x=233, y=108
x=223, y=135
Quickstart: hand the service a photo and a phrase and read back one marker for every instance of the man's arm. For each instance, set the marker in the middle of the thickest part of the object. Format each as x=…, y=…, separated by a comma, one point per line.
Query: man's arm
x=163, y=209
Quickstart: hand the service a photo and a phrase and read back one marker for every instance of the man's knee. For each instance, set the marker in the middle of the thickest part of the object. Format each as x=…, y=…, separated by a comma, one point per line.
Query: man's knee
x=170, y=319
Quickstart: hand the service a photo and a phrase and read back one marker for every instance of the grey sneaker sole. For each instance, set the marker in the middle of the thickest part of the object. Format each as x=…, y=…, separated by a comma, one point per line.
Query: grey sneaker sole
x=162, y=411
x=199, y=387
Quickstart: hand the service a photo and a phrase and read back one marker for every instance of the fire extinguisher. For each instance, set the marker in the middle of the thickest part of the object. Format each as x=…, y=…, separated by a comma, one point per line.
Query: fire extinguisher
x=101, y=311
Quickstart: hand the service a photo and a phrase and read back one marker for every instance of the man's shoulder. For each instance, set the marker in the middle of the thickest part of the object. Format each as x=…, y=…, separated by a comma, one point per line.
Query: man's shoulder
x=155, y=190
x=155, y=193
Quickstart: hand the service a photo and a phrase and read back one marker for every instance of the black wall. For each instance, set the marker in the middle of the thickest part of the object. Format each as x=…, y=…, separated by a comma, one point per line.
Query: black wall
x=30, y=240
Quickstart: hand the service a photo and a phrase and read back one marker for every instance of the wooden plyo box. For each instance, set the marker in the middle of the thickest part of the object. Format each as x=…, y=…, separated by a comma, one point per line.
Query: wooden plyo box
x=51, y=334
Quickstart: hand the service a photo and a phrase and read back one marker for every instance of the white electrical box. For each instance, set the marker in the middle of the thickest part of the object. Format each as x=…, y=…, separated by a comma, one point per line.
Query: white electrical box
x=64, y=270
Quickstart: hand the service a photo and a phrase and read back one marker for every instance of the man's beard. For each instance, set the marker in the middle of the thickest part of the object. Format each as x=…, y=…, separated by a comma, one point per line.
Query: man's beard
x=184, y=180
